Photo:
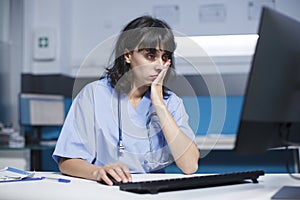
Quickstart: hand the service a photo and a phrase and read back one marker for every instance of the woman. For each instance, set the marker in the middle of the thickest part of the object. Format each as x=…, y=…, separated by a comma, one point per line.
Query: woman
x=128, y=121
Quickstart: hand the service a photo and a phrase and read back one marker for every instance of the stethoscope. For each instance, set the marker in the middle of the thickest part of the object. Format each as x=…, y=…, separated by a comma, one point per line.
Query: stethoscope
x=121, y=147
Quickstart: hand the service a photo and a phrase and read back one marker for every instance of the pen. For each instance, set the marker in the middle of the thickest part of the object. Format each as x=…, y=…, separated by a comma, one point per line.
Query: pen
x=61, y=180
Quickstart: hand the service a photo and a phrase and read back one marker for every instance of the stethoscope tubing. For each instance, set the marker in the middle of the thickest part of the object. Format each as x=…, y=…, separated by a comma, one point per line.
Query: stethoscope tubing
x=120, y=142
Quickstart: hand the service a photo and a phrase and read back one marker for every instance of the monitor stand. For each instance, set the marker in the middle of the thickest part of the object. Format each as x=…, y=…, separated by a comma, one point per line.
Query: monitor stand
x=287, y=192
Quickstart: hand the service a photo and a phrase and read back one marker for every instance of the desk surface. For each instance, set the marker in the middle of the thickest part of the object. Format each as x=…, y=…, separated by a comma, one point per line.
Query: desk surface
x=268, y=185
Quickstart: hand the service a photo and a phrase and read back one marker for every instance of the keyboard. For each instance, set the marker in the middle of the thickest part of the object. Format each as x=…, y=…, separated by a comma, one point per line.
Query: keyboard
x=193, y=182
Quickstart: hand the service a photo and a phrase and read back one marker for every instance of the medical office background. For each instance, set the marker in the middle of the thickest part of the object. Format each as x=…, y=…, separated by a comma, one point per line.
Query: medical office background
x=43, y=44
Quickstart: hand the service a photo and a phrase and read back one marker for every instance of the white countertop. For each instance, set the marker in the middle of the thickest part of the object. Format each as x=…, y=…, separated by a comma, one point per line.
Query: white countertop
x=268, y=185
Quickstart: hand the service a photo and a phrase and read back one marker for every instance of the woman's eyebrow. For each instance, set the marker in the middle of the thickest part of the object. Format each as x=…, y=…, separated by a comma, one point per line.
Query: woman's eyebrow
x=151, y=50
x=154, y=50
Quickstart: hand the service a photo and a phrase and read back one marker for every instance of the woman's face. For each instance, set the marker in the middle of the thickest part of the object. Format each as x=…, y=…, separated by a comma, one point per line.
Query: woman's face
x=146, y=64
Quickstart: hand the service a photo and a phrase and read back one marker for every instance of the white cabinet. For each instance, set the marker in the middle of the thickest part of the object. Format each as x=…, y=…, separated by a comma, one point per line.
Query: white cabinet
x=15, y=158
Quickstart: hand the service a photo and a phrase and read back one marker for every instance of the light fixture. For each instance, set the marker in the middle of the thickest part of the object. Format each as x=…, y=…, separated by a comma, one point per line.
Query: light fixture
x=217, y=45
x=228, y=53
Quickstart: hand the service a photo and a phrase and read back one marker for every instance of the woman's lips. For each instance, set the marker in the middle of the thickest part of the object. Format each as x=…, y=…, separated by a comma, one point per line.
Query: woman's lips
x=153, y=76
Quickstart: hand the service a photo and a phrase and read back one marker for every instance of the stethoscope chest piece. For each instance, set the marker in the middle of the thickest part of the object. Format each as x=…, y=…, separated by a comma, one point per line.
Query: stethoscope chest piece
x=121, y=148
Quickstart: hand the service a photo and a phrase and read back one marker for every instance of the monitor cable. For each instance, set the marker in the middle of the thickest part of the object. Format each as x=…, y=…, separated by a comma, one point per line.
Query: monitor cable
x=285, y=134
x=287, y=165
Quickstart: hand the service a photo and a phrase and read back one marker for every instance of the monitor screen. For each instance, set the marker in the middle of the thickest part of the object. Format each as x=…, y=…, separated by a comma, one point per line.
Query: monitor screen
x=271, y=109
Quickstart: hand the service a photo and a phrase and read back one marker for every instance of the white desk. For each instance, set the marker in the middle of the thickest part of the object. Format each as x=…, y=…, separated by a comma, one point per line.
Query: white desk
x=87, y=190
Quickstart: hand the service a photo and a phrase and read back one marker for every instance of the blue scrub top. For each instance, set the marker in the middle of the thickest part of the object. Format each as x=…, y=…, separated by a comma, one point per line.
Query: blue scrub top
x=90, y=130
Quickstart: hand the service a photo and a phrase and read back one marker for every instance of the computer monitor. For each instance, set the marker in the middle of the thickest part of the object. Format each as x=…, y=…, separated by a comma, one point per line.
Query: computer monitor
x=270, y=114
x=271, y=110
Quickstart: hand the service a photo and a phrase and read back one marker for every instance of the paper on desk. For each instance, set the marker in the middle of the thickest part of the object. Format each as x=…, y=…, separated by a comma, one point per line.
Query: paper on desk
x=9, y=173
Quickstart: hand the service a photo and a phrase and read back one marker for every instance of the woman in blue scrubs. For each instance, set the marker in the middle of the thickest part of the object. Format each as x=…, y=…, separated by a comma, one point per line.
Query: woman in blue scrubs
x=129, y=121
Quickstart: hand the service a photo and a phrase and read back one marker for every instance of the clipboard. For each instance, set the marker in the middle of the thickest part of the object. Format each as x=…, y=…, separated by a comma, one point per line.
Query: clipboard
x=10, y=174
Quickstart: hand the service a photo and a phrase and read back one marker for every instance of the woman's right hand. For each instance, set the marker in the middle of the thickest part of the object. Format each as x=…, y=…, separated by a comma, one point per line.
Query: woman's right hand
x=117, y=171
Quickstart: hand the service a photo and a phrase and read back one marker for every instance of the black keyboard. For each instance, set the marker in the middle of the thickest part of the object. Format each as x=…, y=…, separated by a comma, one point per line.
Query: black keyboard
x=184, y=183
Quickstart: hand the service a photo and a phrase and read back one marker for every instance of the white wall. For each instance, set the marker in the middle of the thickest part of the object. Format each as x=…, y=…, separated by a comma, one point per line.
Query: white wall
x=11, y=50
x=82, y=24
x=4, y=59
x=49, y=14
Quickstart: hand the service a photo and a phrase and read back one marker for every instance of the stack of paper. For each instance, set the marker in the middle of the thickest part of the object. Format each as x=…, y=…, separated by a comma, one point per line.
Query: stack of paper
x=9, y=174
